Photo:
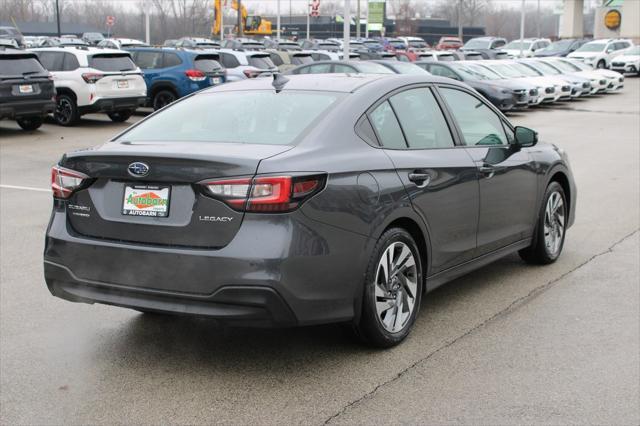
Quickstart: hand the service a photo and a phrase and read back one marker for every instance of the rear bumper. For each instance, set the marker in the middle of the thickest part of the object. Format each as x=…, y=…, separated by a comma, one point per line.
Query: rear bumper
x=279, y=270
x=34, y=108
x=113, y=104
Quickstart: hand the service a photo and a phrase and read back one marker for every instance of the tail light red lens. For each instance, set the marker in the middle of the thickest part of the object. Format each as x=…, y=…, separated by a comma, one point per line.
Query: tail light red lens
x=65, y=181
x=251, y=73
x=195, y=75
x=266, y=194
x=92, y=77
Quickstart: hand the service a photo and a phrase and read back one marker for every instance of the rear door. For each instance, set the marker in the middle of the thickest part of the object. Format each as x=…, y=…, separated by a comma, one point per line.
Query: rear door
x=507, y=175
x=440, y=178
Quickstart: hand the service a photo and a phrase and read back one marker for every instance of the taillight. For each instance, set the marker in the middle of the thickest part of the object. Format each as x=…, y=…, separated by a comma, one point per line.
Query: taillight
x=65, y=181
x=195, y=75
x=251, y=73
x=266, y=194
x=92, y=77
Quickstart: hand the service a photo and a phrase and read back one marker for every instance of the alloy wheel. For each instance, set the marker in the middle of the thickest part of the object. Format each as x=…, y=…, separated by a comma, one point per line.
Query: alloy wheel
x=396, y=286
x=64, y=111
x=554, y=223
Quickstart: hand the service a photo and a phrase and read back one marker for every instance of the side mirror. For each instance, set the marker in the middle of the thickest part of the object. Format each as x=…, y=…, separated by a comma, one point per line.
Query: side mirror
x=525, y=136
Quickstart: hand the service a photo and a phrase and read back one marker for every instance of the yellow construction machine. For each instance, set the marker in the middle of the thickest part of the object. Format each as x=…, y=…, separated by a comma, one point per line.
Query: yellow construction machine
x=251, y=25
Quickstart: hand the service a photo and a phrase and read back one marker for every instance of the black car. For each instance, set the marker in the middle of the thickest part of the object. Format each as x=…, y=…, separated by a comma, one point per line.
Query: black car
x=561, y=47
x=340, y=199
x=349, y=67
x=27, y=94
x=504, y=94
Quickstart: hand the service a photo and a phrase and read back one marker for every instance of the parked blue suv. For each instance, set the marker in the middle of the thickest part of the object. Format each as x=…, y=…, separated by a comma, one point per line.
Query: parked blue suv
x=173, y=73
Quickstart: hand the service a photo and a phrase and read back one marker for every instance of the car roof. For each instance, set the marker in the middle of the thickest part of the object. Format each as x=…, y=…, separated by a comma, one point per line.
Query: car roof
x=345, y=83
x=78, y=50
x=11, y=51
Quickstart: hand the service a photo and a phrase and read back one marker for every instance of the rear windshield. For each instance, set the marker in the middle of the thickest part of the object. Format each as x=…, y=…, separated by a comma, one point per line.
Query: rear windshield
x=262, y=62
x=112, y=62
x=258, y=117
x=20, y=66
x=205, y=64
x=446, y=58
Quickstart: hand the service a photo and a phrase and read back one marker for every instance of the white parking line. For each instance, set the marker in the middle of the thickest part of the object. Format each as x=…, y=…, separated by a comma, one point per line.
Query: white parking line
x=26, y=188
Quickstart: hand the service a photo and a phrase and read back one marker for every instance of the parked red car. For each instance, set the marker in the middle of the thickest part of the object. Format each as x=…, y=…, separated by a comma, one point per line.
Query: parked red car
x=406, y=56
x=449, y=43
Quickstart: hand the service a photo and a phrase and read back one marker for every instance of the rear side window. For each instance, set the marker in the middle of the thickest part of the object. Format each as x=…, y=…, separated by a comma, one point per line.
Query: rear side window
x=301, y=59
x=171, y=60
x=112, y=63
x=257, y=117
x=276, y=59
x=52, y=61
x=70, y=62
x=478, y=123
x=319, y=69
x=205, y=64
x=149, y=60
x=387, y=127
x=19, y=66
x=421, y=119
x=343, y=69
x=229, y=60
x=262, y=62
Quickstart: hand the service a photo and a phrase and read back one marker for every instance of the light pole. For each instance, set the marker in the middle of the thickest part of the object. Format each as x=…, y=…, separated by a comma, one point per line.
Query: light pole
x=240, y=23
x=522, y=28
x=308, y=18
x=58, y=18
x=278, y=21
x=460, y=20
x=357, y=18
x=538, y=20
x=346, y=30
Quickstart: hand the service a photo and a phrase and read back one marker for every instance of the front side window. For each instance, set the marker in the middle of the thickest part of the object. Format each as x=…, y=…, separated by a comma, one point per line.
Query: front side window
x=384, y=121
x=421, y=119
x=257, y=117
x=477, y=122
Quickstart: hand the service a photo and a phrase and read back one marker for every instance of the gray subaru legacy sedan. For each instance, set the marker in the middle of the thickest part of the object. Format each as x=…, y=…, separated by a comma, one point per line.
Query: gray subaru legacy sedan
x=305, y=200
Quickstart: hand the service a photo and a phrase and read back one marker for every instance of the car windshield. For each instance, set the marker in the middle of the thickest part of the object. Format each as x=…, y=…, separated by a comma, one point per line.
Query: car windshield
x=527, y=70
x=635, y=50
x=592, y=47
x=373, y=68
x=256, y=117
x=487, y=73
x=564, y=66
x=262, y=62
x=477, y=44
x=507, y=70
x=408, y=68
x=20, y=66
x=516, y=45
x=558, y=46
x=545, y=69
x=110, y=62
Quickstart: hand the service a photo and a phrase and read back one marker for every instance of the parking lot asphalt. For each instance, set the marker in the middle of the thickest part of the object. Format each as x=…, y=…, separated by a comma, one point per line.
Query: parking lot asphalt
x=509, y=343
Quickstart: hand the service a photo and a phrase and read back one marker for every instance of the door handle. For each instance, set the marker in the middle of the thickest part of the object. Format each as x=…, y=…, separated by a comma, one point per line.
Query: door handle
x=488, y=171
x=420, y=179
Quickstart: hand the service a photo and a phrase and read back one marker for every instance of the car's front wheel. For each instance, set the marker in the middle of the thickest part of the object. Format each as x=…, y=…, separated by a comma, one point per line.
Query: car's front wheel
x=601, y=64
x=120, y=116
x=393, y=290
x=163, y=98
x=30, y=123
x=550, y=229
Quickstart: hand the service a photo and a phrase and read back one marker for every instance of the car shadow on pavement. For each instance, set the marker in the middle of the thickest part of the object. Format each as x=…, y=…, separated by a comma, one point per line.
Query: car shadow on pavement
x=182, y=341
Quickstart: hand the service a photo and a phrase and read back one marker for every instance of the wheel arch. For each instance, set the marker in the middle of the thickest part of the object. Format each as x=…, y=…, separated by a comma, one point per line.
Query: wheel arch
x=559, y=176
x=163, y=85
x=66, y=91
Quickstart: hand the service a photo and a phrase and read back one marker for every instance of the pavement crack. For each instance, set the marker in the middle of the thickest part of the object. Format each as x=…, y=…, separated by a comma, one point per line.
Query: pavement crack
x=521, y=301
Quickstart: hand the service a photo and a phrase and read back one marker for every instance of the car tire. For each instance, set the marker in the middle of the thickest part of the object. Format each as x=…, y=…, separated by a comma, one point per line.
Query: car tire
x=163, y=98
x=66, y=112
x=30, y=123
x=120, y=116
x=551, y=228
x=601, y=64
x=388, y=308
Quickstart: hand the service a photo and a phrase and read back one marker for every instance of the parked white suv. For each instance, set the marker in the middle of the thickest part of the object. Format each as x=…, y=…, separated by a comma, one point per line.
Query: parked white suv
x=121, y=43
x=529, y=46
x=241, y=65
x=89, y=79
x=627, y=62
x=599, y=53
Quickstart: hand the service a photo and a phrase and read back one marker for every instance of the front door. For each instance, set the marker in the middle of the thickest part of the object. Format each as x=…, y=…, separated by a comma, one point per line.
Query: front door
x=507, y=174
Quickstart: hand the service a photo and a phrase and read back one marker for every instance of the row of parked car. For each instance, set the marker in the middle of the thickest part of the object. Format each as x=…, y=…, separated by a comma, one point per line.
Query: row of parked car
x=118, y=79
